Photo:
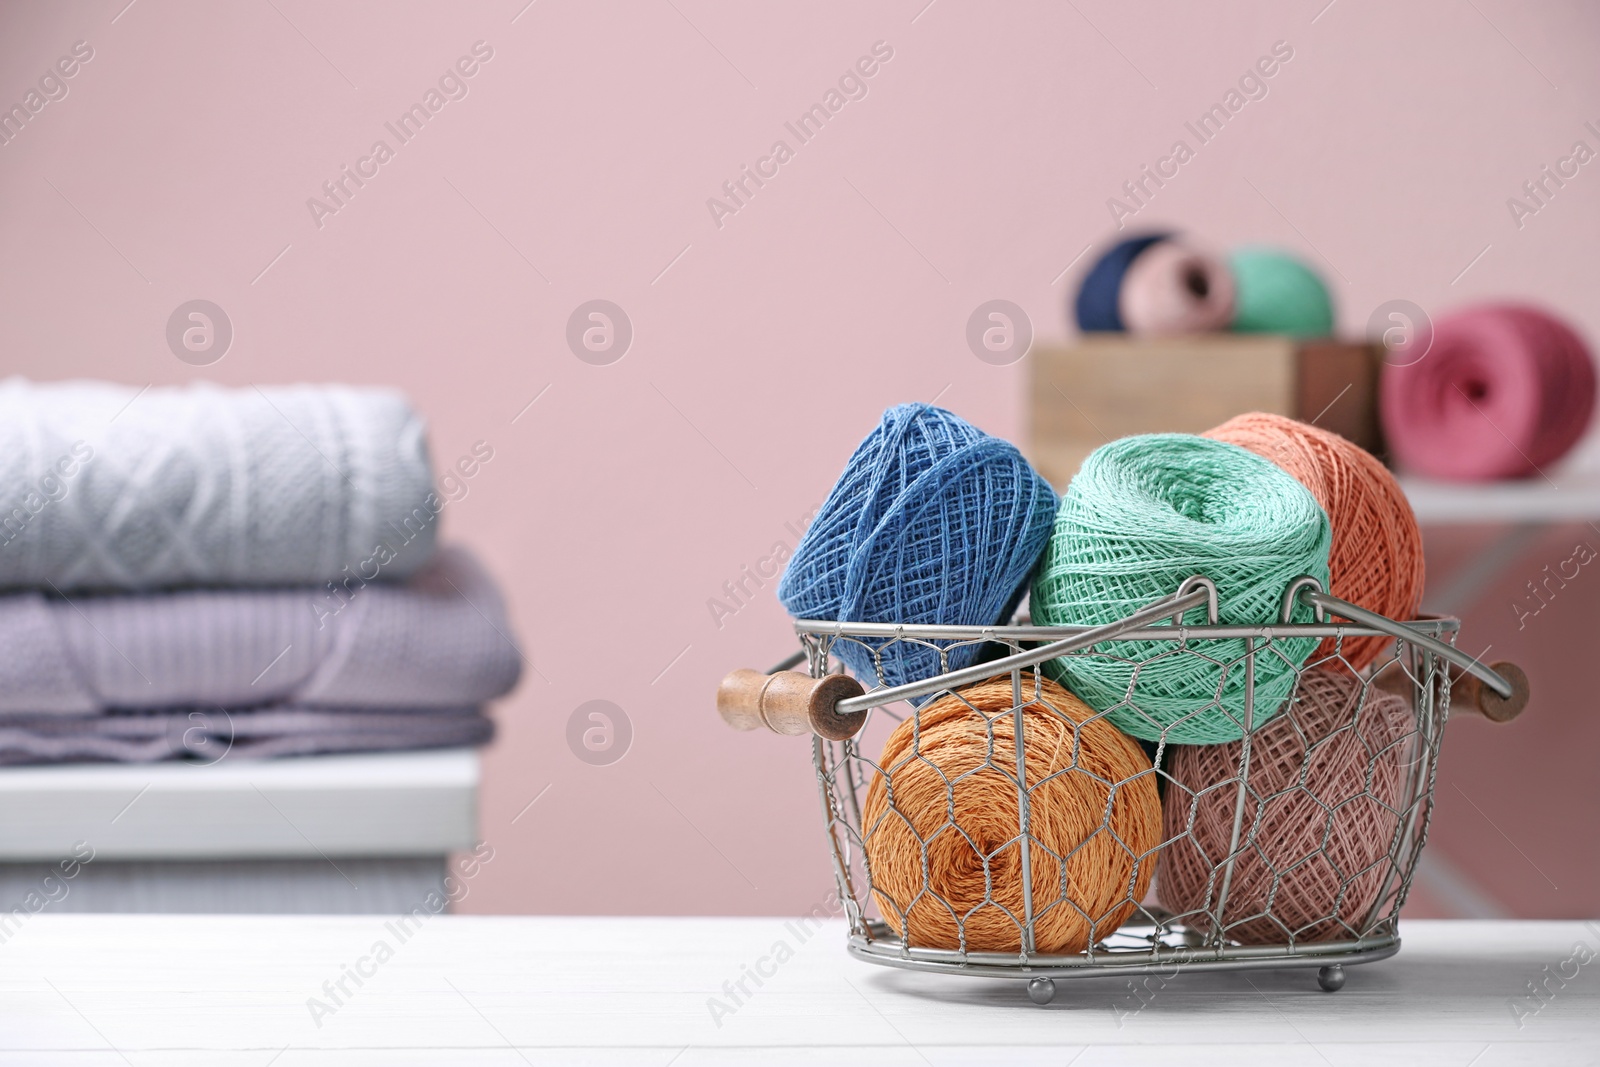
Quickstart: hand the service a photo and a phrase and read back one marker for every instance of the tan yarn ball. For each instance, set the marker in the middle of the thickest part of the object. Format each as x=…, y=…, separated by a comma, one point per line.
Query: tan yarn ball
x=1376, y=561
x=954, y=801
x=1326, y=781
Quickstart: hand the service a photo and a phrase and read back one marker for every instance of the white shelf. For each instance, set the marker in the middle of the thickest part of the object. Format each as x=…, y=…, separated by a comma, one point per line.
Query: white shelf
x=379, y=804
x=1566, y=496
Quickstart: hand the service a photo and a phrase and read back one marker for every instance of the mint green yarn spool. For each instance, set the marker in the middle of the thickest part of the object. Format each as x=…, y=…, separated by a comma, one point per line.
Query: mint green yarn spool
x=1276, y=293
x=1143, y=514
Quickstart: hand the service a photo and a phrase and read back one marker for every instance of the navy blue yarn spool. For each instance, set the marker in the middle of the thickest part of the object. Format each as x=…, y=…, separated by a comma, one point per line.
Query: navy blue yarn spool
x=933, y=522
x=1096, y=304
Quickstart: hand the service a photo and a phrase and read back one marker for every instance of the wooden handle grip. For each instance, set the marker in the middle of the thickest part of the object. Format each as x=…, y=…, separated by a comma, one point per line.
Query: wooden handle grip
x=789, y=702
x=1467, y=693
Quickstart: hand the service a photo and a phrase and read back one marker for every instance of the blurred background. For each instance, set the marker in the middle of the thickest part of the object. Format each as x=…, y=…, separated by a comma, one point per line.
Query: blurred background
x=202, y=152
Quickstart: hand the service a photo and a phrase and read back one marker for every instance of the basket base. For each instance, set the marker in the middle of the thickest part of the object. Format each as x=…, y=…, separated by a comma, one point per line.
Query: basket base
x=1166, y=950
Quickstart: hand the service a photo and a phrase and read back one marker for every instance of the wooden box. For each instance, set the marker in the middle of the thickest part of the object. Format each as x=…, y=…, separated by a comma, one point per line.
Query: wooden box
x=1105, y=387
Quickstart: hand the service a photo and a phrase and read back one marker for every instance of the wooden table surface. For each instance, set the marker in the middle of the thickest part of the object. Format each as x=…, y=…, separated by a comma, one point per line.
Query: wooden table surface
x=103, y=989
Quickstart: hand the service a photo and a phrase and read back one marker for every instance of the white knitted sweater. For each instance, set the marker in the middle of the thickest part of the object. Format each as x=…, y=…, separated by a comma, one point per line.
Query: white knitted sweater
x=109, y=486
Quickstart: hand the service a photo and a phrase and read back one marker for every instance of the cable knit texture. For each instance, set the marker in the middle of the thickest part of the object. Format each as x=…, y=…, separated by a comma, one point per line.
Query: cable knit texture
x=111, y=487
x=439, y=640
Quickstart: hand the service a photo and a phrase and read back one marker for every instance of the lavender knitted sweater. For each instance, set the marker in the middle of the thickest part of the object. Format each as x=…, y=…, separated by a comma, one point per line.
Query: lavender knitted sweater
x=441, y=640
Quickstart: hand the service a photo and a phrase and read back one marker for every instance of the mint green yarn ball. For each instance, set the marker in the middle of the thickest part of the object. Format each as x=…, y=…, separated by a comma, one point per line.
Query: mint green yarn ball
x=1143, y=514
x=1276, y=293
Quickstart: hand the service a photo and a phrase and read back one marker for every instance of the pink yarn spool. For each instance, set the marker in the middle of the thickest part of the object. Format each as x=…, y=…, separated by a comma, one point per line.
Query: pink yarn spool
x=1504, y=390
x=1326, y=782
x=1172, y=289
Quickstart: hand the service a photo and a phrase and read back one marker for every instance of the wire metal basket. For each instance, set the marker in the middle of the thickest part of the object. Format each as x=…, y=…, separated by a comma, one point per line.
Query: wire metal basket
x=849, y=721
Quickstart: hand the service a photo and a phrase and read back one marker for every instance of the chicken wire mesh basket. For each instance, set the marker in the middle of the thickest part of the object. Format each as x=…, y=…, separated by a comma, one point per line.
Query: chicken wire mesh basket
x=1256, y=894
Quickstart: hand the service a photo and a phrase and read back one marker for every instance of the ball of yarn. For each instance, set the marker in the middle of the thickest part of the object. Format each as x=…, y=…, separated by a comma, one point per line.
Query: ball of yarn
x=1172, y=289
x=933, y=522
x=1097, y=306
x=1320, y=815
x=1276, y=293
x=1504, y=390
x=1376, y=558
x=1143, y=514
x=941, y=834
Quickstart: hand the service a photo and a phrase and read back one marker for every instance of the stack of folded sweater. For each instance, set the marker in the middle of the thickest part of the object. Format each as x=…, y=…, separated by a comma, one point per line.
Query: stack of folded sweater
x=201, y=571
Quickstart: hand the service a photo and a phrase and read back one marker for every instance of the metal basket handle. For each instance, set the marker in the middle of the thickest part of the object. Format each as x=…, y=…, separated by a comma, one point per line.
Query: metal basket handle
x=1498, y=693
x=787, y=702
x=835, y=706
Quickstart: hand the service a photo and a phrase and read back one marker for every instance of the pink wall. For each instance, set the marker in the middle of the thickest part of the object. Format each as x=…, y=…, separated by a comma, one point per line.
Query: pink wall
x=578, y=166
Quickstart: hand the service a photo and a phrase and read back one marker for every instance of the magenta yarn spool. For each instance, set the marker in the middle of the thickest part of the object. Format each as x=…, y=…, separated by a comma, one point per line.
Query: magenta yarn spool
x=1503, y=391
x=1173, y=289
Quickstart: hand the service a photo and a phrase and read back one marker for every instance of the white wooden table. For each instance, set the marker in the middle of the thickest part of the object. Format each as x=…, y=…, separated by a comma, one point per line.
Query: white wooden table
x=184, y=990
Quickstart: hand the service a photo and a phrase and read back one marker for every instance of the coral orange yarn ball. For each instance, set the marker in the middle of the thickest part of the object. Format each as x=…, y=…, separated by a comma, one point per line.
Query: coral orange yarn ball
x=1376, y=561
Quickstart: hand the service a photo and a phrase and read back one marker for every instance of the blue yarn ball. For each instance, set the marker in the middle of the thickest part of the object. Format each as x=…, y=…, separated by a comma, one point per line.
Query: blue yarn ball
x=1096, y=305
x=933, y=522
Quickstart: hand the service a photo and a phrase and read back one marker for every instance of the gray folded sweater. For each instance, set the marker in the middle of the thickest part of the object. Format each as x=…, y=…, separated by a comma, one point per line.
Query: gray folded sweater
x=113, y=487
x=439, y=640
